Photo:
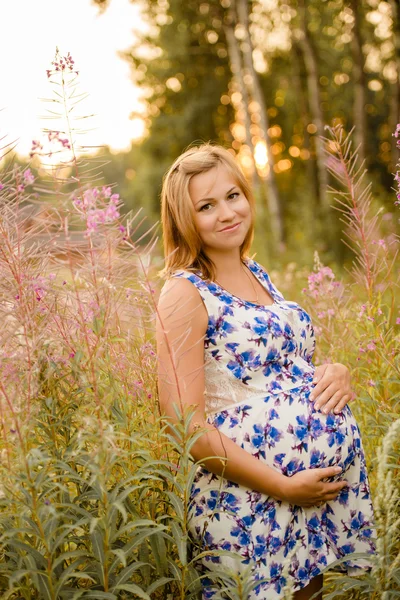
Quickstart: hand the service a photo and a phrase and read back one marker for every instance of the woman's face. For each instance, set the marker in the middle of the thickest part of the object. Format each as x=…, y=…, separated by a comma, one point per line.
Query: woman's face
x=222, y=211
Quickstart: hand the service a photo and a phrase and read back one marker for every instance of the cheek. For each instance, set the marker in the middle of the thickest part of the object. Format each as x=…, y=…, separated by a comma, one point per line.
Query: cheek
x=245, y=209
x=204, y=223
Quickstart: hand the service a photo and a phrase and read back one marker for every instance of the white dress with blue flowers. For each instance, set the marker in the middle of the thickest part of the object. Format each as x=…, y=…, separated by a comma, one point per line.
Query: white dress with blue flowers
x=258, y=377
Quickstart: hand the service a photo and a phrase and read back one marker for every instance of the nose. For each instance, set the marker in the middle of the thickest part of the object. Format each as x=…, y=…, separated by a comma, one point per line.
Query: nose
x=225, y=211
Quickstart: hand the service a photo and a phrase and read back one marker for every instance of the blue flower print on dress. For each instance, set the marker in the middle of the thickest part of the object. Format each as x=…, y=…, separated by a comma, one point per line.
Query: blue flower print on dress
x=264, y=354
x=219, y=327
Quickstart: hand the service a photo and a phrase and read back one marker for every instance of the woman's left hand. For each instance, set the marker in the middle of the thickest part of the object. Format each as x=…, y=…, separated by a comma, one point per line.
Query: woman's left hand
x=333, y=390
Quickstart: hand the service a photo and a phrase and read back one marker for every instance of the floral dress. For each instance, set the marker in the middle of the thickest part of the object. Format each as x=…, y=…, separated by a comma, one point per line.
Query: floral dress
x=258, y=378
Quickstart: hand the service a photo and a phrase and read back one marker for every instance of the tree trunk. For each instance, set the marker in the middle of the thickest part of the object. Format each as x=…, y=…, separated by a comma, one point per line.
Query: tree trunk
x=301, y=96
x=394, y=116
x=237, y=72
x=253, y=83
x=314, y=99
x=359, y=114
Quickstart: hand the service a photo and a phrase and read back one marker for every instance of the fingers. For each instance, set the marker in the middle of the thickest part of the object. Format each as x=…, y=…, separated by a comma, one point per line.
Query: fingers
x=321, y=500
x=328, y=395
x=340, y=405
x=319, y=388
x=327, y=472
x=335, y=488
x=332, y=386
x=332, y=399
x=331, y=492
x=330, y=403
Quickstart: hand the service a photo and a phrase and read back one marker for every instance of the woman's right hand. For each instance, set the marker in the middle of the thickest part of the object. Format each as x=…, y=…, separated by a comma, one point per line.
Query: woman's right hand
x=307, y=488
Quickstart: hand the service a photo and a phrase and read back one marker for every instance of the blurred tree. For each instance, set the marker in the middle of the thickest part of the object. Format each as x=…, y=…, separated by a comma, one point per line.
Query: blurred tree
x=395, y=92
x=251, y=80
x=183, y=65
x=241, y=71
x=189, y=47
x=359, y=79
x=303, y=38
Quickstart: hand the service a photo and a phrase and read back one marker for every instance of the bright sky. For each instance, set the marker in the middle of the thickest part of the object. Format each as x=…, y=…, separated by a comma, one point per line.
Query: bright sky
x=30, y=32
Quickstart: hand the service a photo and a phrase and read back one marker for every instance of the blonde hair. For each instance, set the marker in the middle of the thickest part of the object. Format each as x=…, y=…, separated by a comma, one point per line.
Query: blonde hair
x=182, y=243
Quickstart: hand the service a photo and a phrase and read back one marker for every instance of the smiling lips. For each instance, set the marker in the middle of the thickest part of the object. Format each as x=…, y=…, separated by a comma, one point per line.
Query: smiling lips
x=231, y=227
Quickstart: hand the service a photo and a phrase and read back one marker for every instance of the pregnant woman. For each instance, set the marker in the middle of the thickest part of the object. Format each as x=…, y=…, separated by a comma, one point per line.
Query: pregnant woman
x=289, y=495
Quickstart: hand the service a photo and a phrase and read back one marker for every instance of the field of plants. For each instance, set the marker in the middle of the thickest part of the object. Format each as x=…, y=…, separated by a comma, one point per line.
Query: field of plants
x=93, y=487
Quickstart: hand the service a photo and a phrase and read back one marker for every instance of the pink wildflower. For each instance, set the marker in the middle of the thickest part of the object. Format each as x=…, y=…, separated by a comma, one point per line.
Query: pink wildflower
x=61, y=63
x=1, y=186
x=94, y=208
x=89, y=198
x=380, y=243
x=398, y=321
x=371, y=346
x=54, y=136
x=28, y=177
x=362, y=310
x=112, y=212
x=318, y=279
x=331, y=312
x=371, y=383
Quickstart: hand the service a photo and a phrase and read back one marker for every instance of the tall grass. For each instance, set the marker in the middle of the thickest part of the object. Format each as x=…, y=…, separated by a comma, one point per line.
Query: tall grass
x=94, y=484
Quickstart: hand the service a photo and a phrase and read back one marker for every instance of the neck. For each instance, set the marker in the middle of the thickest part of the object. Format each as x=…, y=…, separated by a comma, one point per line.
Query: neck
x=227, y=263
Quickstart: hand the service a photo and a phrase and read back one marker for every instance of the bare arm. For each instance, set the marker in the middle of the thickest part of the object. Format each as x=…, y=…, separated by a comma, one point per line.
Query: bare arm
x=181, y=327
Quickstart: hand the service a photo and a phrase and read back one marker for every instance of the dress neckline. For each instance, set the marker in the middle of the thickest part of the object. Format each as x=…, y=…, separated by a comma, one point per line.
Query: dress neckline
x=265, y=285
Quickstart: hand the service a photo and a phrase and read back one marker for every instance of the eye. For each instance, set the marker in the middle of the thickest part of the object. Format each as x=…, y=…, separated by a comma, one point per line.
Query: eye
x=233, y=195
x=204, y=207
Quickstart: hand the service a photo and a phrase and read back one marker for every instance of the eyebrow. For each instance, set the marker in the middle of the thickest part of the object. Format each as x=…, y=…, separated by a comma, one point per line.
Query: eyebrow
x=208, y=199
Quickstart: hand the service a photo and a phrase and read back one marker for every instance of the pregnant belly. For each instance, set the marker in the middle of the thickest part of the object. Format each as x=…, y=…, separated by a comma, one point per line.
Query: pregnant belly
x=287, y=433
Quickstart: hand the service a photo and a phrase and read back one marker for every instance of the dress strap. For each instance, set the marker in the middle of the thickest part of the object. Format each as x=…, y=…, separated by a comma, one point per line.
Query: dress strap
x=264, y=278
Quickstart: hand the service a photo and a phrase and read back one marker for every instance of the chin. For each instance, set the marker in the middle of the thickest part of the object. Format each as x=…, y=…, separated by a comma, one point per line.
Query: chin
x=232, y=246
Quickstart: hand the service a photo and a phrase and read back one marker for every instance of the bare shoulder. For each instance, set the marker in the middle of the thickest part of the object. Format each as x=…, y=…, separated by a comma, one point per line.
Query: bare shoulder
x=180, y=299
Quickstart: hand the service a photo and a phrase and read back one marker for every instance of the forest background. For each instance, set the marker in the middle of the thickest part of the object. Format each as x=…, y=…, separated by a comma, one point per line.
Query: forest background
x=263, y=79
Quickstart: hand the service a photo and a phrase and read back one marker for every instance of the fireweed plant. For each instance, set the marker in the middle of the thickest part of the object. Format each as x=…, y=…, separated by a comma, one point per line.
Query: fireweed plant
x=94, y=483
x=93, y=489
x=357, y=321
